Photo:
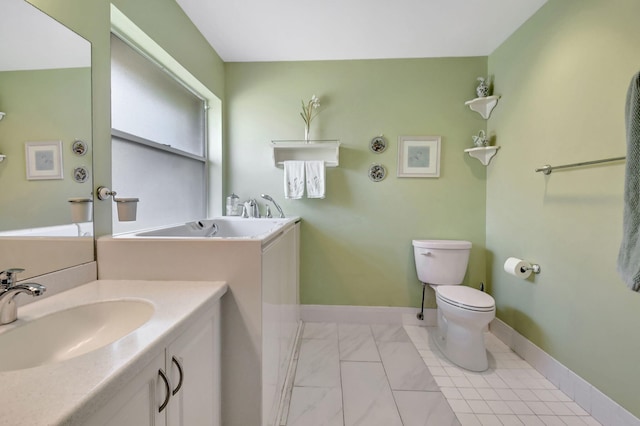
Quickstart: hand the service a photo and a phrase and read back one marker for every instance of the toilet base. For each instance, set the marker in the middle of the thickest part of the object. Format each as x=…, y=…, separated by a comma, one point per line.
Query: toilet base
x=462, y=346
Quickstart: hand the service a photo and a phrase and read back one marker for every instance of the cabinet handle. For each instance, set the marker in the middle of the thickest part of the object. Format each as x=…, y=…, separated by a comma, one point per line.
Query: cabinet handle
x=177, y=363
x=167, y=387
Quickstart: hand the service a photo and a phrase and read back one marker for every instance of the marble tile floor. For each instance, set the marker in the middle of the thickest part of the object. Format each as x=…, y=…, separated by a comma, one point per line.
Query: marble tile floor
x=388, y=375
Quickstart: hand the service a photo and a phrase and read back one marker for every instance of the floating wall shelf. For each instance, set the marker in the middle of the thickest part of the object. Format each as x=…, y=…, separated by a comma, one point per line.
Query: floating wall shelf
x=483, y=106
x=483, y=153
x=326, y=150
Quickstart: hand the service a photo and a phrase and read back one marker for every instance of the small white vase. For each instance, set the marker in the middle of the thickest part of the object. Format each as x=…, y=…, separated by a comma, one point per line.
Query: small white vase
x=306, y=132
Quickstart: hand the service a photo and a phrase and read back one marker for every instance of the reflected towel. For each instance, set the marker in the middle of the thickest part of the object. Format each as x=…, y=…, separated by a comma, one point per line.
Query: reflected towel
x=629, y=255
x=293, y=179
x=315, y=179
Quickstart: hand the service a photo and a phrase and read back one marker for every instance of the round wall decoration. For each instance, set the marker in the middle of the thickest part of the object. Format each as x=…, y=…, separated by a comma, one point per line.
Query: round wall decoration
x=378, y=144
x=80, y=174
x=377, y=172
x=79, y=148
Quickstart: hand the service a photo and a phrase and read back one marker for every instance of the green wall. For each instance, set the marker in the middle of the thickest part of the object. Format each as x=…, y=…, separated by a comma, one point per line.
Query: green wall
x=42, y=105
x=356, y=243
x=167, y=25
x=563, y=78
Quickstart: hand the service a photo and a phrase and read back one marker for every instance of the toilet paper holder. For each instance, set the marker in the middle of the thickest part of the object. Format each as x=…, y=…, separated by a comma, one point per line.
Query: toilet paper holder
x=535, y=268
x=520, y=268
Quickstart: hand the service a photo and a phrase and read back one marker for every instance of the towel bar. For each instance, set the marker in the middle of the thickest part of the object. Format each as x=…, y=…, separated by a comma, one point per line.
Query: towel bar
x=547, y=169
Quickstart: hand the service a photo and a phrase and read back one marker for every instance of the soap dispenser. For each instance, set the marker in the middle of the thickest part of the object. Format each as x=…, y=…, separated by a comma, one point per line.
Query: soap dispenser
x=232, y=205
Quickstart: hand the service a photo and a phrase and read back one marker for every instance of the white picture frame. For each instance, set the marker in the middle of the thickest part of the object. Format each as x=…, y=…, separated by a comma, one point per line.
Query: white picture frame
x=419, y=156
x=44, y=160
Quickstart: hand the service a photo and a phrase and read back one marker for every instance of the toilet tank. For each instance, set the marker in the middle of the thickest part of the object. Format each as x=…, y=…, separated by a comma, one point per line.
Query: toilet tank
x=441, y=262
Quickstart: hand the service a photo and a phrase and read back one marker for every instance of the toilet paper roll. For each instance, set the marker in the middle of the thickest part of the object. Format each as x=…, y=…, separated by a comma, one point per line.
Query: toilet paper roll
x=517, y=267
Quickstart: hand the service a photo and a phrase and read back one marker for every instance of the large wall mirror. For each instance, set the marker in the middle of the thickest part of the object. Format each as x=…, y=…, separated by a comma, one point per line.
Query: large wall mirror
x=45, y=142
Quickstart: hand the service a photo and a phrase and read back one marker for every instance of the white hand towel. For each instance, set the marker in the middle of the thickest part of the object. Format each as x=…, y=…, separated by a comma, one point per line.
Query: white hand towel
x=293, y=179
x=315, y=179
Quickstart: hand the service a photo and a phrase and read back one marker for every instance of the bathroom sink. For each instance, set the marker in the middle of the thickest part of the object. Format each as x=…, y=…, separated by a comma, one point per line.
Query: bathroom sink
x=71, y=332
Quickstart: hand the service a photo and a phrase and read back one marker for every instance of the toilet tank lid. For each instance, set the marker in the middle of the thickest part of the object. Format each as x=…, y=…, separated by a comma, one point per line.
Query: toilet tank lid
x=442, y=244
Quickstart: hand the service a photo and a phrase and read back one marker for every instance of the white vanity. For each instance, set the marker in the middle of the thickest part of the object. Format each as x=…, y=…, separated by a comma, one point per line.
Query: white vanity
x=164, y=372
x=259, y=313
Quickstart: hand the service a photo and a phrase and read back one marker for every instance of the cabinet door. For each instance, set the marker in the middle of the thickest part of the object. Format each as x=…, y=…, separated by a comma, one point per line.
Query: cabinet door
x=138, y=403
x=193, y=363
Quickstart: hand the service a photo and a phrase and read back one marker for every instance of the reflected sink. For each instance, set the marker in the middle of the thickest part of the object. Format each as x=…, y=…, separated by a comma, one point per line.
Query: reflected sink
x=71, y=332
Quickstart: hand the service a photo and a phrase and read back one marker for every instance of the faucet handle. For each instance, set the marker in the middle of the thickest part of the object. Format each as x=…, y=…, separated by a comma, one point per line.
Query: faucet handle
x=11, y=277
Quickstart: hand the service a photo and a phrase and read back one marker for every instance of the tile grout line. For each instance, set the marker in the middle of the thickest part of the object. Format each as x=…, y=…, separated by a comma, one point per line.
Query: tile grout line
x=287, y=391
x=344, y=420
x=395, y=403
x=413, y=342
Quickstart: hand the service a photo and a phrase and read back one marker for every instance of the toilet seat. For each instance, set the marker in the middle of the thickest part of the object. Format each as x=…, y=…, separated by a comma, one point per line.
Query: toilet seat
x=466, y=298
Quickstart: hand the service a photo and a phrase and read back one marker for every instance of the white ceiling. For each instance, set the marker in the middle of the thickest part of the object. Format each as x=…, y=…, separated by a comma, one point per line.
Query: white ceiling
x=294, y=30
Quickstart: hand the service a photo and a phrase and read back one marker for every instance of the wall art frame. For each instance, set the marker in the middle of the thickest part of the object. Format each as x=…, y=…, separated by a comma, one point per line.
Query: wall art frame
x=44, y=160
x=419, y=156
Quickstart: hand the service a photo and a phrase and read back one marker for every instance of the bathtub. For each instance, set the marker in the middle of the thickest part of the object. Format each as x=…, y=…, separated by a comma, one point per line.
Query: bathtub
x=259, y=261
x=227, y=227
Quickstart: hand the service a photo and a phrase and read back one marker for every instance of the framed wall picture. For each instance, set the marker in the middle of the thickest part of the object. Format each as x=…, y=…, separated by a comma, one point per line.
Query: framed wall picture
x=419, y=156
x=44, y=160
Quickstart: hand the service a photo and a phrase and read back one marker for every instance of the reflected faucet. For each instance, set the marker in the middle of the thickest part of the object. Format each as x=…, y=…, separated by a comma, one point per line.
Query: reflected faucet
x=9, y=290
x=268, y=198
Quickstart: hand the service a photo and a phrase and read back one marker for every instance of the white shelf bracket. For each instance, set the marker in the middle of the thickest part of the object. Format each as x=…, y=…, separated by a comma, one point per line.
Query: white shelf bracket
x=483, y=106
x=484, y=154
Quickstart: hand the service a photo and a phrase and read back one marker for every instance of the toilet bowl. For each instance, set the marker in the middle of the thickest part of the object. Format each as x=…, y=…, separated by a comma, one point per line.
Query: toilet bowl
x=463, y=315
x=463, y=312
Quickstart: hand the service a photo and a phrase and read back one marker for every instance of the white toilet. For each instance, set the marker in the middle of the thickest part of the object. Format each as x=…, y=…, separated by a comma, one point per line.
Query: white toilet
x=463, y=312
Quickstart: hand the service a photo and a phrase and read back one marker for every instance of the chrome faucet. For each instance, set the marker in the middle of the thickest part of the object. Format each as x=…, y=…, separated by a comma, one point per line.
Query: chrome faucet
x=9, y=290
x=268, y=198
x=254, y=208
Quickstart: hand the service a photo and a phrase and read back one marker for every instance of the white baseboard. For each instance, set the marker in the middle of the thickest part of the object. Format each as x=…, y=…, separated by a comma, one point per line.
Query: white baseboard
x=367, y=315
x=599, y=405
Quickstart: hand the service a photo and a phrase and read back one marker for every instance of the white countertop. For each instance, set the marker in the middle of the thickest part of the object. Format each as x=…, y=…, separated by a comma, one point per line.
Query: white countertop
x=67, y=392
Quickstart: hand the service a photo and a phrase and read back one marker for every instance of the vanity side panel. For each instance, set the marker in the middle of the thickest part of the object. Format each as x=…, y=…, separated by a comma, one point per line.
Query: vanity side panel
x=280, y=315
x=236, y=262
